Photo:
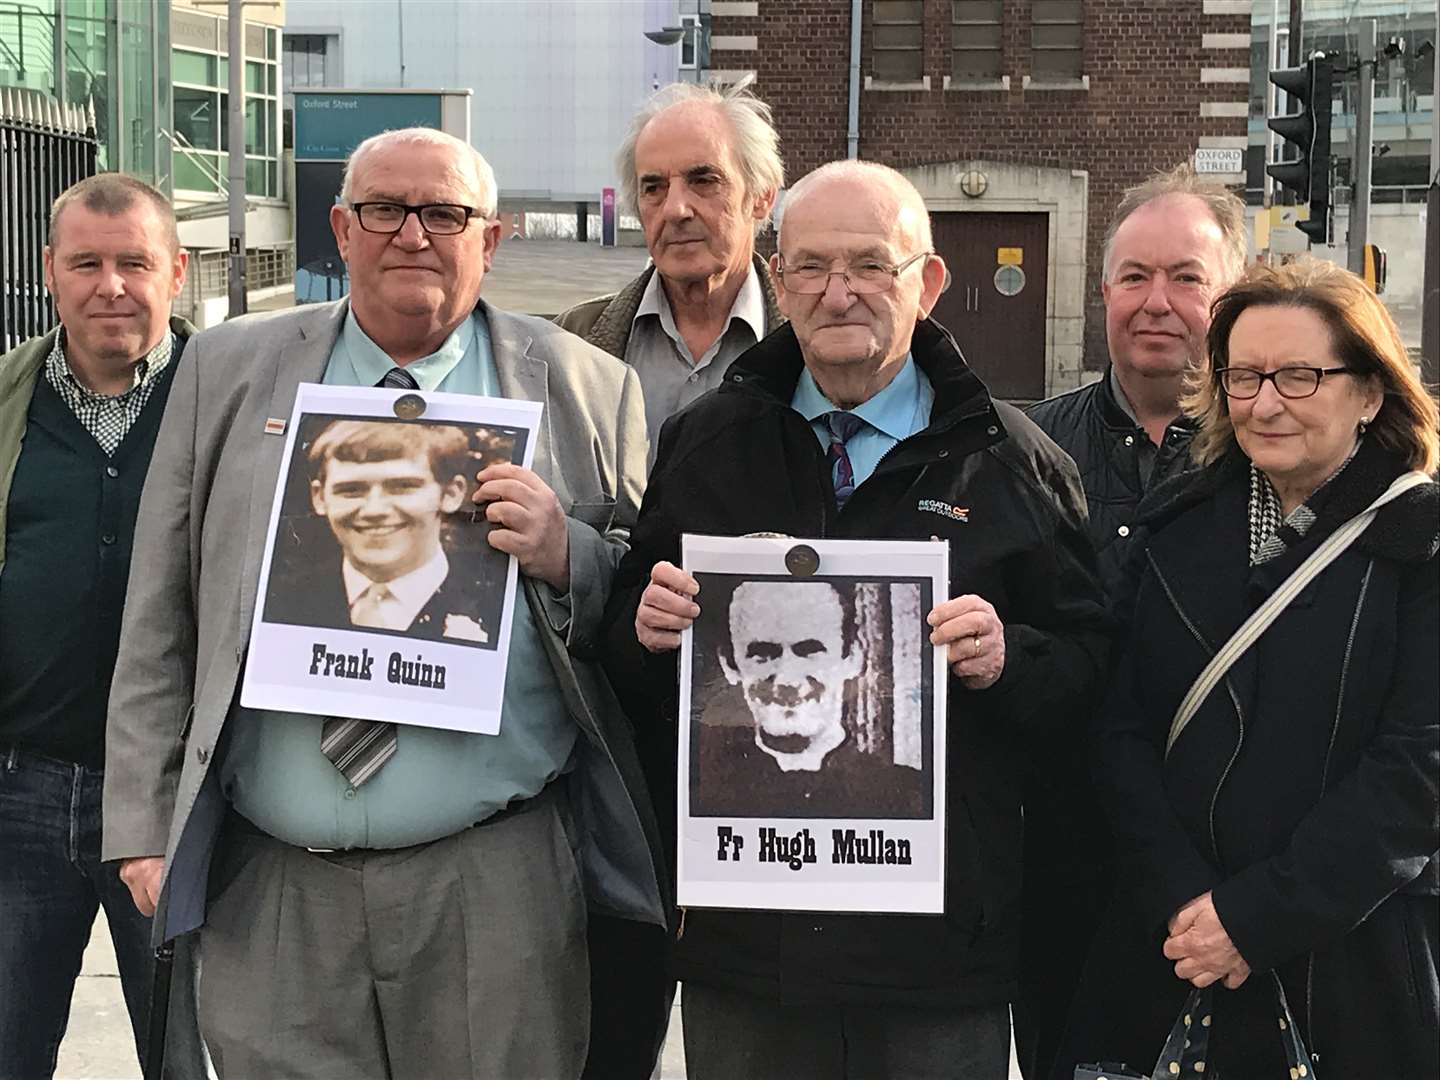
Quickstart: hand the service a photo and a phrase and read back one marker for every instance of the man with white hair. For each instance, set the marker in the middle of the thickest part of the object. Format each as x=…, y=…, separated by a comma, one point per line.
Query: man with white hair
x=861, y=420
x=378, y=900
x=701, y=167
x=1174, y=243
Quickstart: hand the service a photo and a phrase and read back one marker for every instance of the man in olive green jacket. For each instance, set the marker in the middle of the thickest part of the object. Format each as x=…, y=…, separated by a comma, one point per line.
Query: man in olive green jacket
x=79, y=409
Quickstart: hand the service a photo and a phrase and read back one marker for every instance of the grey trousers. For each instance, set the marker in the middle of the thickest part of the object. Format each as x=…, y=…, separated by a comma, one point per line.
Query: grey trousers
x=735, y=1036
x=461, y=958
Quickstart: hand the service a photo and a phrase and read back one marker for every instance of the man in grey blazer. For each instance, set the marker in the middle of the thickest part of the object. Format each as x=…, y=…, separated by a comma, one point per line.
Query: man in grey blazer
x=382, y=902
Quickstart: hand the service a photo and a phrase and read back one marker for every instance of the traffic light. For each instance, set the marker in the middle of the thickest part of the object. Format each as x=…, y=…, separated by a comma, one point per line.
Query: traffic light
x=1309, y=131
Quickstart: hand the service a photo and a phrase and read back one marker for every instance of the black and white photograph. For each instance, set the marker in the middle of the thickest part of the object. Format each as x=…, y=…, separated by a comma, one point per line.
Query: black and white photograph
x=377, y=529
x=809, y=757
x=379, y=583
x=794, y=706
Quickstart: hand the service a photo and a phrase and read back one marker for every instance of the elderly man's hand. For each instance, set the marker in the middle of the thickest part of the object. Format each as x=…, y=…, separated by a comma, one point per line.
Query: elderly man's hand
x=666, y=607
x=142, y=877
x=1202, y=949
x=975, y=636
x=530, y=523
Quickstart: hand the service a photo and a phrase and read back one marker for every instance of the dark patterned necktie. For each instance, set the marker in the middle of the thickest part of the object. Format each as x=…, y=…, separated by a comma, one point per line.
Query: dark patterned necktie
x=360, y=748
x=843, y=426
x=397, y=378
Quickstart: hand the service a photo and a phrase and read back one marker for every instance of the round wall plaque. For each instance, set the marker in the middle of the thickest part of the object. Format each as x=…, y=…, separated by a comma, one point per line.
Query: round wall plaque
x=973, y=183
x=1009, y=280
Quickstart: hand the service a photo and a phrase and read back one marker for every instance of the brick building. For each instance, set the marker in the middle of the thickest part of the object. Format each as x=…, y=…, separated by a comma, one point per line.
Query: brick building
x=1020, y=121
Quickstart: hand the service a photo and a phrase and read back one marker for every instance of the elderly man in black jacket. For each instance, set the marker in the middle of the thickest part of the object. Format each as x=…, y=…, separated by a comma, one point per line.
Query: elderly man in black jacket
x=1174, y=243
x=861, y=420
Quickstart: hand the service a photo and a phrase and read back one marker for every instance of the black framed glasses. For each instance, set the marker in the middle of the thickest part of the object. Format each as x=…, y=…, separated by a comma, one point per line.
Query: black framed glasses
x=811, y=277
x=440, y=219
x=1290, y=382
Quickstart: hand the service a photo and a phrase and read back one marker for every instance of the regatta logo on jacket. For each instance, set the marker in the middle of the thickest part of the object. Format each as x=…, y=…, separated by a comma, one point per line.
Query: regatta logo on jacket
x=935, y=506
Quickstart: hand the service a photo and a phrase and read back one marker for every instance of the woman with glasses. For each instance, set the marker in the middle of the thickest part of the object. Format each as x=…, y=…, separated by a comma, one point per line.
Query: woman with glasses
x=1291, y=826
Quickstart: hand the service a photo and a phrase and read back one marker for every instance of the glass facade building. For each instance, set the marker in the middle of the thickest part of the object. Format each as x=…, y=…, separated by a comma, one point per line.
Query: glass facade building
x=1404, y=89
x=114, y=55
x=200, y=71
x=157, y=76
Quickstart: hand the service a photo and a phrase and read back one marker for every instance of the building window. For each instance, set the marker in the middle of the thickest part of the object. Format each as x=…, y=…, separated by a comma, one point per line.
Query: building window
x=311, y=60
x=690, y=42
x=201, y=120
x=897, y=52
x=1056, y=38
x=975, y=40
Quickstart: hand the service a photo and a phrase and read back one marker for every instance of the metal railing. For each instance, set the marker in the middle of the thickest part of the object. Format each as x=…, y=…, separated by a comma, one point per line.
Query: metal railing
x=44, y=148
x=209, y=275
x=179, y=142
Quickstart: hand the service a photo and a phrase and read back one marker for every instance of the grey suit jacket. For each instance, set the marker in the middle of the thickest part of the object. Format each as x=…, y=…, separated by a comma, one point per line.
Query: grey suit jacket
x=198, y=545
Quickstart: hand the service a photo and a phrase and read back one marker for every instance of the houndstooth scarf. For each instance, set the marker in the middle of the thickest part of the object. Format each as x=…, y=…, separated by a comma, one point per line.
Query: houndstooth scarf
x=1271, y=532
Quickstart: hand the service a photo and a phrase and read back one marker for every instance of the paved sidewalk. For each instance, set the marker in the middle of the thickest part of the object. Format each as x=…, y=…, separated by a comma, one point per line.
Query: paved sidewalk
x=544, y=277
x=538, y=277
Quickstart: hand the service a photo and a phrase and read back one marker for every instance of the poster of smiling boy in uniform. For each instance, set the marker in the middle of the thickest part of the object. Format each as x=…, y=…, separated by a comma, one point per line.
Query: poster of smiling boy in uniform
x=812, y=765
x=381, y=597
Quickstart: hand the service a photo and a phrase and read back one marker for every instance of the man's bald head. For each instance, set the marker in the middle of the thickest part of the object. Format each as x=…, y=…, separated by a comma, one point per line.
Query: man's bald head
x=855, y=274
x=879, y=183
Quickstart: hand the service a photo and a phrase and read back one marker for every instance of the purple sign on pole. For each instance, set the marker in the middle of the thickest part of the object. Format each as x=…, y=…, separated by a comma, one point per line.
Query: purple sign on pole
x=607, y=217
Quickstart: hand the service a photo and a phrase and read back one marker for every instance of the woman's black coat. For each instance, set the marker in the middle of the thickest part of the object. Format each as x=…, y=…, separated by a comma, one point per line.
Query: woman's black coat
x=1303, y=792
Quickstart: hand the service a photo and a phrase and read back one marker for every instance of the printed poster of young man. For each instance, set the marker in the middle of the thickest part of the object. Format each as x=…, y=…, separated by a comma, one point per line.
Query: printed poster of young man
x=809, y=777
x=381, y=597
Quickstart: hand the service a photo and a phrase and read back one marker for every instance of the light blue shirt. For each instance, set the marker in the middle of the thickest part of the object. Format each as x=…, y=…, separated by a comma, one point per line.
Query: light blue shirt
x=895, y=413
x=438, y=782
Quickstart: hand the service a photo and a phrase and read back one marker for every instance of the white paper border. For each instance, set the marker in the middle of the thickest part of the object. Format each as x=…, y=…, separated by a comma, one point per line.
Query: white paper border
x=823, y=885
x=277, y=664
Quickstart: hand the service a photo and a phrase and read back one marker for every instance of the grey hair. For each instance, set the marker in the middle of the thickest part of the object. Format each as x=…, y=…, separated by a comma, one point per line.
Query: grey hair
x=870, y=172
x=756, y=146
x=484, y=177
x=113, y=194
x=1224, y=205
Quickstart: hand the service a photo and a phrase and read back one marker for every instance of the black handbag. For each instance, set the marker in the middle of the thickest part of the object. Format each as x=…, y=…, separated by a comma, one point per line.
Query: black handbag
x=1185, y=1050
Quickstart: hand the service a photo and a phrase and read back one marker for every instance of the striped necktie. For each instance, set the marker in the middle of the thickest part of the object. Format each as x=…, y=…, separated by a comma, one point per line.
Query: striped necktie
x=360, y=748
x=843, y=426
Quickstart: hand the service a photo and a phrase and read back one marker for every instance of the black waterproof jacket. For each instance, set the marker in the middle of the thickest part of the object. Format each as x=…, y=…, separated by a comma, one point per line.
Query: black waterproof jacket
x=1068, y=851
x=741, y=460
x=1105, y=443
x=1305, y=792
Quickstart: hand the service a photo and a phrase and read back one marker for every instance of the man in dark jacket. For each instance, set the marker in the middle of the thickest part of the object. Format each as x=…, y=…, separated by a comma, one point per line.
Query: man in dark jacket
x=79, y=409
x=1175, y=242
x=861, y=420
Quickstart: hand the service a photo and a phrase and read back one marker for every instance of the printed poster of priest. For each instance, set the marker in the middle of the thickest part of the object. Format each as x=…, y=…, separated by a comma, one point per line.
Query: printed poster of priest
x=811, y=763
x=381, y=597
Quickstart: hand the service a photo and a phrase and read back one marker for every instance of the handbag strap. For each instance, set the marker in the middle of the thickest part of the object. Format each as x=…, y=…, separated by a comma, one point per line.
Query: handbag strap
x=1330, y=550
x=1186, y=1050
